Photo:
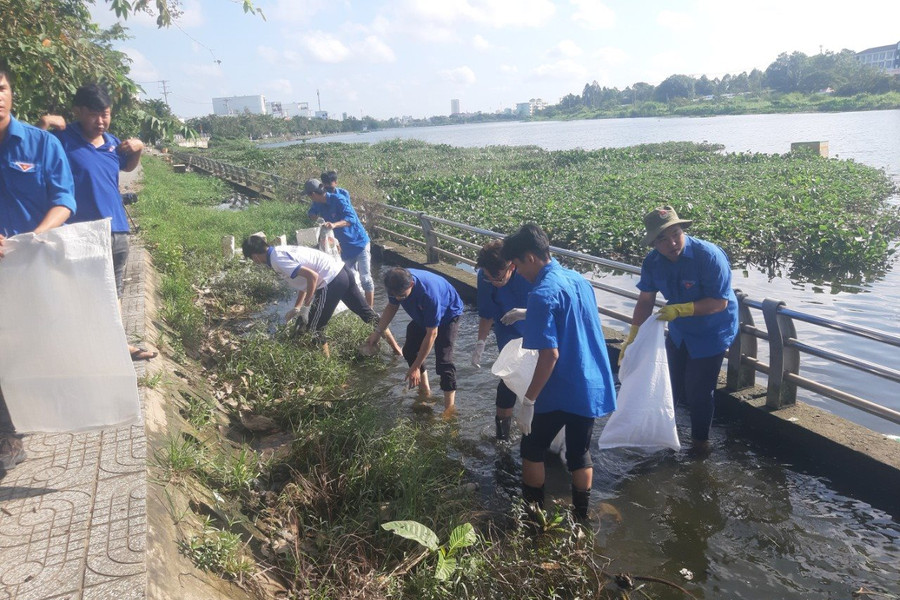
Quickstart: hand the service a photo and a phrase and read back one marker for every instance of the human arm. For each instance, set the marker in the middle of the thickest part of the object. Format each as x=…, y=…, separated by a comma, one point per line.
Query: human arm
x=305, y=296
x=55, y=217
x=51, y=122
x=132, y=148
x=413, y=374
x=698, y=308
x=387, y=315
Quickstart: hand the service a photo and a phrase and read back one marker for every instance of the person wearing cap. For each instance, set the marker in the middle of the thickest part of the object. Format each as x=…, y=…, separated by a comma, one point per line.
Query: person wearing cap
x=572, y=383
x=694, y=276
x=502, y=298
x=335, y=209
x=434, y=308
x=321, y=282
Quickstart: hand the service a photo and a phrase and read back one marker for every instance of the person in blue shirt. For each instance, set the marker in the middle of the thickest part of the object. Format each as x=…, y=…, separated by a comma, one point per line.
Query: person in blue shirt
x=36, y=195
x=694, y=276
x=572, y=383
x=96, y=157
x=502, y=298
x=434, y=308
x=332, y=204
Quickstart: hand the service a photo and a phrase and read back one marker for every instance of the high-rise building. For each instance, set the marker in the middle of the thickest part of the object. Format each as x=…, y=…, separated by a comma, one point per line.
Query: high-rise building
x=454, y=106
x=238, y=105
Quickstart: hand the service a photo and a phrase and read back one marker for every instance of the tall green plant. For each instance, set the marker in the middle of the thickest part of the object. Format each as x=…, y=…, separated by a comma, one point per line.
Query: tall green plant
x=461, y=537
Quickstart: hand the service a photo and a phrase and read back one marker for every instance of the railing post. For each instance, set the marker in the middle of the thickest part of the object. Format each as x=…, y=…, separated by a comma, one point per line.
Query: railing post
x=782, y=359
x=739, y=375
x=431, y=240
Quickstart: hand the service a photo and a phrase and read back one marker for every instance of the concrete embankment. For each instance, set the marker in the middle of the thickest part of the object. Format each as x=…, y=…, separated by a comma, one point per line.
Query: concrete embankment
x=864, y=464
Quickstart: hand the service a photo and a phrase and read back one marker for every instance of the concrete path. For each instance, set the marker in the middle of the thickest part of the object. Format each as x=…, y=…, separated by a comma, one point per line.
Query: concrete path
x=73, y=516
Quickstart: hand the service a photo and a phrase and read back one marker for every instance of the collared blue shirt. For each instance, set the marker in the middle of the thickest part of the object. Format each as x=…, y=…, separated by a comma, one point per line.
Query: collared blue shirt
x=337, y=207
x=96, y=174
x=432, y=302
x=702, y=271
x=562, y=314
x=34, y=177
x=494, y=302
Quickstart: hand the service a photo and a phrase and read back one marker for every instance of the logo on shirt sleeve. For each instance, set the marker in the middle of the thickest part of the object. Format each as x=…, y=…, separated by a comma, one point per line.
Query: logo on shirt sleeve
x=688, y=284
x=24, y=166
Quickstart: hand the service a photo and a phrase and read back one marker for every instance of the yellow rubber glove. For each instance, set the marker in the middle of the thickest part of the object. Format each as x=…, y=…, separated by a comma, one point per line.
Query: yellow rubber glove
x=632, y=333
x=673, y=311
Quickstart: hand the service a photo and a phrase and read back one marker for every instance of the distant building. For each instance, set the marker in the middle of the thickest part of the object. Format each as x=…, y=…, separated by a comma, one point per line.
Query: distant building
x=886, y=58
x=454, y=106
x=523, y=109
x=322, y=114
x=239, y=105
x=275, y=109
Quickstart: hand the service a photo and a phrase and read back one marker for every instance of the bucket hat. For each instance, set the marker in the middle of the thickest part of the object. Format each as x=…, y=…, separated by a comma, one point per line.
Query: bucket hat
x=658, y=219
x=312, y=186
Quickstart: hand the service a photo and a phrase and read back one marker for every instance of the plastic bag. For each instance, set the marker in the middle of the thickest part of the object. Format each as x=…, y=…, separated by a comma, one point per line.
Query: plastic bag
x=329, y=244
x=65, y=364
x=645, y=414
x=515, y=366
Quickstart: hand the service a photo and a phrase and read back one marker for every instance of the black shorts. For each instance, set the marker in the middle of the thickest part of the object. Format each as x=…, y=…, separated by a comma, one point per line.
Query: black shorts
x=544, y=428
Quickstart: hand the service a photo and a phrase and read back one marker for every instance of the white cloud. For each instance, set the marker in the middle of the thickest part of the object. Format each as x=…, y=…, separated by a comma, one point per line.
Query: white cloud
x=509, y=68
x=593, y=14
x=292, y=11
x=481, y=44
x=611, y=56
x=565, y=49
x=374, y=50
x=141, y=68
x=565, y=69
x=676, y=21
x=267, y=53
x=491, y=13
x=460, y=75
x=202, y=70
x=326, y=48
x=191, y=15
x=280, y=86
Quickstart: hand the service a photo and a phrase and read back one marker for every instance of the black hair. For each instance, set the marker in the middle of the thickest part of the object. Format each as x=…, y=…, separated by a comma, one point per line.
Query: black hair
x=491, y=259
x=328, y=177
x=5, y=72
x=397, y=280
x=254, y=245
x=530, y=238
x=92, y=97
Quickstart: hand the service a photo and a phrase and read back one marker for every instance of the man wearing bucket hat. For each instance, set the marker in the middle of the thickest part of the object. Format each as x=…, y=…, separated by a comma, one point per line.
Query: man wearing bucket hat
x=694, y=276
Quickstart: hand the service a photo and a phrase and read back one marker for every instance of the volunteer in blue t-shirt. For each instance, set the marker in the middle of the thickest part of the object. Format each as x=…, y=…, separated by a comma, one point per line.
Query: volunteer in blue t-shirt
x=572, y=383
x=434, y=307
x=335, y=209
x=36, y=195
x=502, y=298
x=694, y=276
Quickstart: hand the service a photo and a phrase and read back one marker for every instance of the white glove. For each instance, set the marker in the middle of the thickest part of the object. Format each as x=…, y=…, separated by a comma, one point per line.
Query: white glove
x=476, y=354
x=295, y=312
x=516, y=314
x=524, y=414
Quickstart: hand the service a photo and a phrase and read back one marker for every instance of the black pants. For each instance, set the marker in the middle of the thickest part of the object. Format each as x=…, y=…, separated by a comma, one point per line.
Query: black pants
x=341, y=288
x=694, y=384
x=443, y=350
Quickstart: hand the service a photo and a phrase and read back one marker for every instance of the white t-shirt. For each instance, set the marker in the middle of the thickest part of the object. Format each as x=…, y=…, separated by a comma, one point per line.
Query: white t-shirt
x=287, y=261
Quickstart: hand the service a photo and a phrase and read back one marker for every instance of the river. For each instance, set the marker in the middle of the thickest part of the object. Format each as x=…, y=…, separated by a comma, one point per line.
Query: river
x=871, y=138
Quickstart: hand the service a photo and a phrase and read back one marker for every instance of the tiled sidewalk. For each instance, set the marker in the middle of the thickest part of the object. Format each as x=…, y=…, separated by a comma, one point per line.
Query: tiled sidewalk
x=73, y=516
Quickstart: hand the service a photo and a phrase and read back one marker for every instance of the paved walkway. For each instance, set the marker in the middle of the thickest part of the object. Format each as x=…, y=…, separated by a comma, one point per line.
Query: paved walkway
x=73, y=516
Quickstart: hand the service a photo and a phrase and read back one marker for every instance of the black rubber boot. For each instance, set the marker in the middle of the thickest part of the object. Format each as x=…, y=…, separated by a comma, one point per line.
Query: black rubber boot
x=503, y=425
x=580, y=501
x=533, y=495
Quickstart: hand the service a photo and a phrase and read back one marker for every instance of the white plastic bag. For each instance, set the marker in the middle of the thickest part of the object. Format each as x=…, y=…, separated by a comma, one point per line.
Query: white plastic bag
x=645, y=414
x=329, y=244
x=65, y=364
x=515, y=366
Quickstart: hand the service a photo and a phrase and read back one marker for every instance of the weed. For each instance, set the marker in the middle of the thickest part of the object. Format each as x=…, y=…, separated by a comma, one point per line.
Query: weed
x=218, y=551
x=239, y=472
x=179, y=458
x=150, y=381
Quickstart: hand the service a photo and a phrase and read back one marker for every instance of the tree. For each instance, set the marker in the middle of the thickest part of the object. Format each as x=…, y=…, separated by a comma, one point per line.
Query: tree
x=676, y=86
x=165, y=10
x=784, y=75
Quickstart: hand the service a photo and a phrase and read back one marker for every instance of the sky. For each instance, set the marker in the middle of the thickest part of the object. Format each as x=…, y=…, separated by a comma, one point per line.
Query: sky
x=393, y=58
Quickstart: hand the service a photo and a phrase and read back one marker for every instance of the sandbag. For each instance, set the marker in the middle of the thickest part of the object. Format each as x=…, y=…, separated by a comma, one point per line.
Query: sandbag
x=515, y=366
x=65, y=364
x=645, y=413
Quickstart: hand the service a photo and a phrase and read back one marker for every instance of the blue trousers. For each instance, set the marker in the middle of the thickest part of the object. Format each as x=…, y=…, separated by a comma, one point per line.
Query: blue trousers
x=693, y=384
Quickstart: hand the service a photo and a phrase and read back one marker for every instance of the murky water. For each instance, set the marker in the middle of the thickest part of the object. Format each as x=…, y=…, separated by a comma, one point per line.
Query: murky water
x=747, y=524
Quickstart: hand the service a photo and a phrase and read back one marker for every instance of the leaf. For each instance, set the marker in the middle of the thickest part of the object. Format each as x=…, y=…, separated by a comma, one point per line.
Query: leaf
x=413, y=530
x=444, y=568
x=462, y=537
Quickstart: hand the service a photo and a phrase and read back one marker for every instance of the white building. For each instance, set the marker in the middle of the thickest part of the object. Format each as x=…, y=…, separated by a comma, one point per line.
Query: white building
x=322, y=114
x=238, y=105
x=454, y=106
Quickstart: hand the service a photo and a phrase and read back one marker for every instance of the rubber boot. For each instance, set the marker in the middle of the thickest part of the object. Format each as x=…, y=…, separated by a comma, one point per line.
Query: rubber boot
x=580, y=501
x=533, y=495
x=503, y=426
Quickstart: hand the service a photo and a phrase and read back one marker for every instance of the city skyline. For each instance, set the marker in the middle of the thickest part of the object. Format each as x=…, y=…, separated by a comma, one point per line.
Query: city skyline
x=390, y=58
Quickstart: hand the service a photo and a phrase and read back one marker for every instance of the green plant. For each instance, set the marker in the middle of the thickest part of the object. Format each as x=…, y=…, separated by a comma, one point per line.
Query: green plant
x=179, y=458
x=150, y=380
x=461, y=537
x=217, y=550
x=238, y=472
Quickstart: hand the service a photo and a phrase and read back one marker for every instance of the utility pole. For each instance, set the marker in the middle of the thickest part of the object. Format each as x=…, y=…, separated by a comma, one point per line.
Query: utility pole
x=319, y=100
x=165, y=90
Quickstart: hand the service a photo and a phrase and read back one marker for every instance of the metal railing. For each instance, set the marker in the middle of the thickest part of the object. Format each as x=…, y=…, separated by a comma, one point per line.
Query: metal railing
x=785, y=349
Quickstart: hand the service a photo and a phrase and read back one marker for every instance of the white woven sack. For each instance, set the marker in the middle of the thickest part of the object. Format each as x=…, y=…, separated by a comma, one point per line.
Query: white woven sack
x=645, y=414
x=515, y=366
x=65, y=364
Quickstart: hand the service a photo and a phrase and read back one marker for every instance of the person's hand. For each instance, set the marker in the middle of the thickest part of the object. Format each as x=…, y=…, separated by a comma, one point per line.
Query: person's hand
x=52, y=122
x=294, y=312
x=516, y=314
x=670, y=312
x=413, y=376
x=328, y=225
x=130, y=146
x=524, y=414
x=632, y=333
x=476, y=354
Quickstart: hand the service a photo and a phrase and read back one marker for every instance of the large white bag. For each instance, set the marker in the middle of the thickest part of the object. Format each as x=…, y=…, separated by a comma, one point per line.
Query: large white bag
x=515, y=366
x=645, y=414
x=65, y=364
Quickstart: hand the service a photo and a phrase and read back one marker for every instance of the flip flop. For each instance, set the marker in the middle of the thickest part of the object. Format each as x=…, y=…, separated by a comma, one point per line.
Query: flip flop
x=142, y=354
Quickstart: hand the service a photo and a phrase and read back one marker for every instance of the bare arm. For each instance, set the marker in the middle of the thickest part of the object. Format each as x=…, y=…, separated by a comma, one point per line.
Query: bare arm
x=484, y=328
x=387, y=315
x=132, y=148
x=709, y=306
x=55, y=217
x=312, y=280
x=545, y=364
x=51, y=122
x=413, y=375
